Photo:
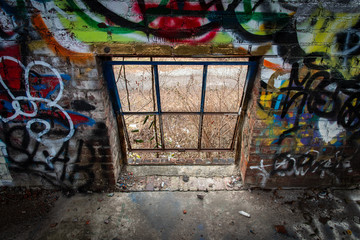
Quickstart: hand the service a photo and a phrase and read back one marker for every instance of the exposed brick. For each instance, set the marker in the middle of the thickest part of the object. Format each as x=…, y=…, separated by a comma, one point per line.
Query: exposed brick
x=101, y=148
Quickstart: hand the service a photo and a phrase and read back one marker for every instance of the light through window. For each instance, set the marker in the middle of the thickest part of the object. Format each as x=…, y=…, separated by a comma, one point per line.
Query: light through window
x=178, y=108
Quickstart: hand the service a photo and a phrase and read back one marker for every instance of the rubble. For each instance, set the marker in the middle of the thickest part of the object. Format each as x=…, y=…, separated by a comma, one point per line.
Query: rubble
x=186, y=178
x=245, y=214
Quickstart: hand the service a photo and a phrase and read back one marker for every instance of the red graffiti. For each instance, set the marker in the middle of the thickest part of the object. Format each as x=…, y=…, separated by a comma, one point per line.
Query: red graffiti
x=169, y=26
x=32, y=91
x=10, y=71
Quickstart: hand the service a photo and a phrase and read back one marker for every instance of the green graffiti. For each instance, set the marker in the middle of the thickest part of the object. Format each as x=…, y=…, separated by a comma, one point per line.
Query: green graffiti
x=94, y=24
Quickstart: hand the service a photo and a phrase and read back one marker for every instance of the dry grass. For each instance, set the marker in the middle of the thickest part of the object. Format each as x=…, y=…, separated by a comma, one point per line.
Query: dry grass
x=180, y=90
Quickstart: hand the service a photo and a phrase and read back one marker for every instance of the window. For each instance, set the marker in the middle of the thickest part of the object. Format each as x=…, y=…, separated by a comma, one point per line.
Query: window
x=178, y=108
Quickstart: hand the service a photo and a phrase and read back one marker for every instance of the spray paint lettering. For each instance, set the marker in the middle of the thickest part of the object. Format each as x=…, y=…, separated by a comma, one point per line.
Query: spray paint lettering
x=286, y=164
x=37, y=100
x=35, y=128
x=309, y=96
x=173, y=21
x=71, y=165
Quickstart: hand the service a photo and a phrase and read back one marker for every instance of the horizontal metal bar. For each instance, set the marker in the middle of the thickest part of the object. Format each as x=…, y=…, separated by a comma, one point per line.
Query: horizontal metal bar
x=181, y=150
x=139, y=113
x=180, y=113
x=177, y=63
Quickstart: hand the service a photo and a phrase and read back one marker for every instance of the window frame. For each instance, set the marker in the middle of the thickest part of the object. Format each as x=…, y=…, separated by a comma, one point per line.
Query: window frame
x=115, y=99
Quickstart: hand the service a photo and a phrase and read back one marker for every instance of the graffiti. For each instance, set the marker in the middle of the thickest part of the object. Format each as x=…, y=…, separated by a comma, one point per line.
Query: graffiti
x=263, y=173
x=174, y=21
x=5, y=176
x=322, y=92
x=36, y=130
x=37, y=101
x=286, y=164
x=309, y=94
x=314, y=93
x=312, y=105
x=81, y=105
x=10, y=30
x=69, y=27
x=54, y=45
x=71, y=166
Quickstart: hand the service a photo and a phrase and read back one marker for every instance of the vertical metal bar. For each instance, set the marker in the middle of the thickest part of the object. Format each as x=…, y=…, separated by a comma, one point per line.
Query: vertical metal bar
x=203, y=91
x=158, y=101
x=110, y=79
x=154, y=106
x=235, y=133
x=114, y=97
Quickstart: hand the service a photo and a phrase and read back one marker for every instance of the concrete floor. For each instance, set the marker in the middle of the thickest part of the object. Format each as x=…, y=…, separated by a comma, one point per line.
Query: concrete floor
x=276, y=214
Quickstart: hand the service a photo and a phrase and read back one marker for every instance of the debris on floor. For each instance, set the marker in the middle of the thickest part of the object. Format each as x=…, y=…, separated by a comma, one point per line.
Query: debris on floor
x=201, y=197
x=297, y=214
x=235, y=181
x=107, y=221
x=53, y=225
x=130, y=181
x=280, y=229
x=186, y=178
x=125, y=181
x=244, y=214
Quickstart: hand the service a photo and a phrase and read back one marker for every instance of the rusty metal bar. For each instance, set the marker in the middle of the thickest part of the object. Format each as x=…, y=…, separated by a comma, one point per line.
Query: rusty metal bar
x=179, y=63
x=182, y=150
x=179, y=113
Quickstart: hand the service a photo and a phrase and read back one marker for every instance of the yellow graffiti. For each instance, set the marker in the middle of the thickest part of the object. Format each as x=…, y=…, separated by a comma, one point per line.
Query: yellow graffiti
x=321, y=31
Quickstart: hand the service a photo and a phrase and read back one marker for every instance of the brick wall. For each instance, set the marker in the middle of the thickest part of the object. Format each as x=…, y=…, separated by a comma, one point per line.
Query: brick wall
x=57, y=126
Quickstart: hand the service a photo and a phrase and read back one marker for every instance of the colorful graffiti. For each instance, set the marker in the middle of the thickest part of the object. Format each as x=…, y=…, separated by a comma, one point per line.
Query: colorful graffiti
x=35, y=128
x=309, y=93
x=171, y=20
x=68, y=28
x=36, y=99
x=311, y=103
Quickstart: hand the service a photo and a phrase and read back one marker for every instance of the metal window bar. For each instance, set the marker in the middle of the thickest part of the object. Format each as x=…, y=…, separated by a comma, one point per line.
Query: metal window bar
x=114, y=96
x=203, y=91
x=158, y=100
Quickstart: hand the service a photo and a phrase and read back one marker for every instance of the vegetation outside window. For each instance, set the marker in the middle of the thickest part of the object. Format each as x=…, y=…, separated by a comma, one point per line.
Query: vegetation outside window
x=179, y=107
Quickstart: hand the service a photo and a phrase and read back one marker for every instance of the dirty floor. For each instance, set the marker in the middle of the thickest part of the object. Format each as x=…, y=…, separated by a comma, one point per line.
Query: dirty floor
x=275, y=214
